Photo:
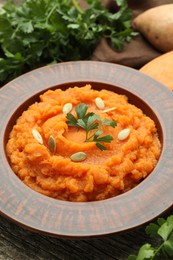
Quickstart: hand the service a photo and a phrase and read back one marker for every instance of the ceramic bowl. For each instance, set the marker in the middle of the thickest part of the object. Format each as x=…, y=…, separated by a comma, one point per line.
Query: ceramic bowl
x=42, y=214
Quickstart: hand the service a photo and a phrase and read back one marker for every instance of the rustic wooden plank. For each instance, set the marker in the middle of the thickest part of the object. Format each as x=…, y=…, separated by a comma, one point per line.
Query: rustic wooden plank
x=18, y=243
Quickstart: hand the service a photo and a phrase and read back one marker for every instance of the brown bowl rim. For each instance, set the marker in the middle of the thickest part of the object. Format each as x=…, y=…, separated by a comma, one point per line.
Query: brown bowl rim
x=83, y=220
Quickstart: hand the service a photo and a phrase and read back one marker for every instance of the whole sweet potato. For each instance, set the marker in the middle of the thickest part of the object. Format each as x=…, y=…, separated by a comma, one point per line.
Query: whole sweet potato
x=156, y=25
x=161, y=69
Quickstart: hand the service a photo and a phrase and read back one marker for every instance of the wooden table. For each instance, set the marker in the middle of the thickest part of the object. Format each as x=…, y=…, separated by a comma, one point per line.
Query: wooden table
x=19, y=244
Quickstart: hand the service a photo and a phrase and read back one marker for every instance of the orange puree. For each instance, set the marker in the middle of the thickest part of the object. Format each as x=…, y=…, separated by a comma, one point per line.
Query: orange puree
x=103, y=174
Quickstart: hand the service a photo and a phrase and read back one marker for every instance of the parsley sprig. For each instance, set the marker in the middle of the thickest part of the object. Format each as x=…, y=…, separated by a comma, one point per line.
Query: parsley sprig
x=35, y=33
x=163, y=230
x=90, y=121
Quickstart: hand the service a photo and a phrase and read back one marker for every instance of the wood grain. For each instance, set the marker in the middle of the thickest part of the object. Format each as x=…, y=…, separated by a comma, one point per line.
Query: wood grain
x=41, y=214
x=17, y=243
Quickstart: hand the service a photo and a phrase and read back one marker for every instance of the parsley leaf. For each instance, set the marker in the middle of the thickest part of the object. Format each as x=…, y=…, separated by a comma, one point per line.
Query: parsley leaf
x=145, y=252
x=162, y=229
x=89, y=122
x=109, y=122
x=81, y=110
x=72, y=121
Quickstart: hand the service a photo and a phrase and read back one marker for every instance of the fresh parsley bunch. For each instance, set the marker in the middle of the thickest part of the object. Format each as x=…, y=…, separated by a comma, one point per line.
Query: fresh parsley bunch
x=39, y=32
x=162, y=230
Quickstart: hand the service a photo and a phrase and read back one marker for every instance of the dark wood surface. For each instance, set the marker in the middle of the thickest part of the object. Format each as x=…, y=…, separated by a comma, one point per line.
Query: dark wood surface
x=19, y=244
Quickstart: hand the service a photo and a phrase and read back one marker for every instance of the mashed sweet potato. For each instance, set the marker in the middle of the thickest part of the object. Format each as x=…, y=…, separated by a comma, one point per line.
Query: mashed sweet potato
x=102, y=174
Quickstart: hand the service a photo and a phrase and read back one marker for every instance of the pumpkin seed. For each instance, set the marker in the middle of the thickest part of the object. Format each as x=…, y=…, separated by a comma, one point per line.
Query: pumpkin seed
x=99, y=103
x=37, y=136
x=67, y=108
x=109, y=109
x=123, y=134
x=52, y=144
x=78, y=157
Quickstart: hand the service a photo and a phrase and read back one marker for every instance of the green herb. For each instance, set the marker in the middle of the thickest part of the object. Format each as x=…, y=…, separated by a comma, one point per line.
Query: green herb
x=89, y=122
x=35, y=33
x=162, y=230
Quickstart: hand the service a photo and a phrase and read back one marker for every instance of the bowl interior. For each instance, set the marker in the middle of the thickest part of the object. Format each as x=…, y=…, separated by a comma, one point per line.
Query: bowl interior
x=132, y=98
